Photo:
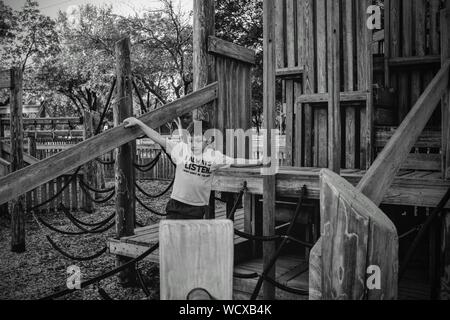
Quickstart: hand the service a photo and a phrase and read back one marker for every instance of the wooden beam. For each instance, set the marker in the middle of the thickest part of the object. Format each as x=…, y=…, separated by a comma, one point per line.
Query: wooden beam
x=269, y=180
x=231, y=50
x=16, y=131
x=382, y=173
x=33, y=176
x=414, y=61
x=5, y=79
x=354, y=96
x=190, y=259
x=290, y=73
x=334, y=87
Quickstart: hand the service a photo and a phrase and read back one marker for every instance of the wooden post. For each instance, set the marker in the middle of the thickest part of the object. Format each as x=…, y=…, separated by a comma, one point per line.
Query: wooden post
x=190, y=258
x=334, y=87
x=445, y=54
x=204, y=70
x=32, y=150
x=89, y=169
x=125, y=156
x=445, y=234
x=203, y=63
x=16, y=132
x=269, y=123
x=4, y=210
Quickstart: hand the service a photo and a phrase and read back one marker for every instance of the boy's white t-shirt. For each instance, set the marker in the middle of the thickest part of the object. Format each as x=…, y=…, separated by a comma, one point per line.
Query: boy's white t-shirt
x=194, y=174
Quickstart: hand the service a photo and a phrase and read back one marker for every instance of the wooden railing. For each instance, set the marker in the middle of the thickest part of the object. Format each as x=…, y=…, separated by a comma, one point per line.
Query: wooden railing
x=31, y=177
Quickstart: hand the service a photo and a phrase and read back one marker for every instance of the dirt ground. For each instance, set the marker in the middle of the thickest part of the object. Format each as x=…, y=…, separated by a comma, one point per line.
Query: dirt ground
x=41, y=270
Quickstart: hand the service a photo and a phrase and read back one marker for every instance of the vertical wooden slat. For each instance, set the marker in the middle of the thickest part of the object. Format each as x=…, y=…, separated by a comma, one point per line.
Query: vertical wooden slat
x=269, y=121
x=279, y=32
x=420, y=45
x=74, y=194
x=334, y=88
x=320, y=113
x=290, y=32
x=404, y=103
x=289, y=118
x=350, y=111
x=309, y=78
x=297, y=129
x=445, y=103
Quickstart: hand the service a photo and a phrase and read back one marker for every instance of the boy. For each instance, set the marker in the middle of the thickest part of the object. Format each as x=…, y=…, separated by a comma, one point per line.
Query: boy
x=196, y=163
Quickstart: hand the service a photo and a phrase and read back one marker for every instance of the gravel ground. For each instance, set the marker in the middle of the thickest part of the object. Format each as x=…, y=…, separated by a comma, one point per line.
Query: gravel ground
x=41, y=271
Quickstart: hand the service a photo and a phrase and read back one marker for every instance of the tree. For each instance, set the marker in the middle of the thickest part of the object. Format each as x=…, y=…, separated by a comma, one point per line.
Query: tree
x=25, y=35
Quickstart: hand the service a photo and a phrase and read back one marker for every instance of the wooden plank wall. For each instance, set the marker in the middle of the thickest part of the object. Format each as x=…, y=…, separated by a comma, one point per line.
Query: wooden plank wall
x=302, y=48
x=234, y=108
x=412, y=59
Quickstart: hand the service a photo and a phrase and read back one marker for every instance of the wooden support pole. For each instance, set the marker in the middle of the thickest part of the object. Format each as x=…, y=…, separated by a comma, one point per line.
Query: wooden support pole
x=4, y=210
x=203, y=62
x=445, y=103
x=16, y=131
x=269, y=183
x=204, y=69
x=125, y=156
x=334, y=87
x=445, y=54
x=89, y=169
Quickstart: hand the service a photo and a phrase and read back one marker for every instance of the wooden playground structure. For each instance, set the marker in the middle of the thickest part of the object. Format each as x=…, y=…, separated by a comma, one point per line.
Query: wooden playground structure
x=367, y=129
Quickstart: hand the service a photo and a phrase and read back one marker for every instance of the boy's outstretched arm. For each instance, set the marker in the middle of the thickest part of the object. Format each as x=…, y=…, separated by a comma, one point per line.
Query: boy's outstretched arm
x=152, y=134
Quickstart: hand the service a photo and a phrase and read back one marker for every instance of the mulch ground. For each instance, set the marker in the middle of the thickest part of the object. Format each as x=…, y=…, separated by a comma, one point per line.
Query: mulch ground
x=41, y=270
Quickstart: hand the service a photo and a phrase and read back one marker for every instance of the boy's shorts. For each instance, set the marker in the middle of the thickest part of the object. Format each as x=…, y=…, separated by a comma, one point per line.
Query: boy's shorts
x=177, y=210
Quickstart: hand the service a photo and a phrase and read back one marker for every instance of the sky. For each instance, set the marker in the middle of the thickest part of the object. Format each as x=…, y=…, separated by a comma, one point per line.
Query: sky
x=123, y=7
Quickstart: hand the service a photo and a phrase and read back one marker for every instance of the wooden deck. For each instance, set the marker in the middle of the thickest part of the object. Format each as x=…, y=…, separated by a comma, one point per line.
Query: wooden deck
x=145, y=237
x=410, y=188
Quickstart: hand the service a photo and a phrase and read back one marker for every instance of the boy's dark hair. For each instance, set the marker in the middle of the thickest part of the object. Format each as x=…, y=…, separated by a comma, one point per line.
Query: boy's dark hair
x=200, y=123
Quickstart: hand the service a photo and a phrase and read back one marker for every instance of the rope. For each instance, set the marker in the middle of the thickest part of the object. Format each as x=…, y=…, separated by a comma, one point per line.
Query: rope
x=148, y=195
x=104, y=295
x=149, y=166
x=93, y=189
x=72, y=178
x=105, y=275
x=69, y=233
x=238, y=199
x=414, y=230
x=273, y=260
x=105, y=163
x=95, y=224
x=104, y=200
x=149, y=209
x=141, y=282
x=75, y=258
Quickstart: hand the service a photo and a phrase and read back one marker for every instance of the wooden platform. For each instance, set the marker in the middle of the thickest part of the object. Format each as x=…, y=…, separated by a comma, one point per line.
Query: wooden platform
x=145, y=237
x=410, y=188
